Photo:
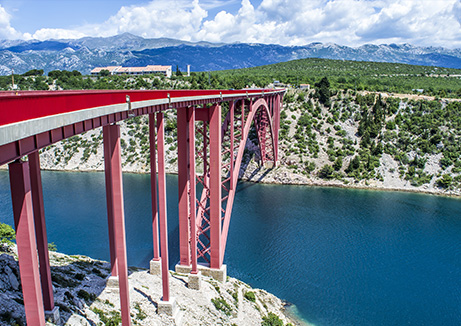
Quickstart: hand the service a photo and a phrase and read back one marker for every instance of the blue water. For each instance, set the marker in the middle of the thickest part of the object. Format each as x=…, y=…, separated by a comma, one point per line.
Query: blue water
x=343, y=257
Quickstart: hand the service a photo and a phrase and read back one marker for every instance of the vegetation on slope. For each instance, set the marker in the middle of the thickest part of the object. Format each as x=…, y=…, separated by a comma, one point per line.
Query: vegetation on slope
x=354, y=75
x=335, y=130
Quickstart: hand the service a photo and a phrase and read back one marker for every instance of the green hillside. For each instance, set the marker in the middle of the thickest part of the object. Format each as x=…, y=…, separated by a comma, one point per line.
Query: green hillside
x=355, y=75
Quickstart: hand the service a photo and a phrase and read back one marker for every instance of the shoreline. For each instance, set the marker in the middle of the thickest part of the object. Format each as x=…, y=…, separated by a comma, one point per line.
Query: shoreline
x=311, y=183
x=89, y=299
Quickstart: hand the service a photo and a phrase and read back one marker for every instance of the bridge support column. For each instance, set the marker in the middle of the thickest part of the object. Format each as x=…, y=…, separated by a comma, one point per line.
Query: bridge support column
x=116, y=218
x=26, y=242
x=215, y=187
x=167, y=304
x=277, y=108
x=51, y=312
x=155, y=263
x=184, y=181
x=192, y=192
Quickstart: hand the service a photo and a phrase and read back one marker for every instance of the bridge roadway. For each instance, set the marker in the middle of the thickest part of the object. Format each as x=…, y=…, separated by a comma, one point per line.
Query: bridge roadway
x=32, y=120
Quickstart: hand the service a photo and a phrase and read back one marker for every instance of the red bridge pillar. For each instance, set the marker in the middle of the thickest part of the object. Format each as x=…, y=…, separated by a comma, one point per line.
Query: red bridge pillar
x=26, y=242
x=184, y=182
x=215, y=187
x=155, y=262
x=42, y=240
x=192, y=189
x=116, y=218
x=167, y=304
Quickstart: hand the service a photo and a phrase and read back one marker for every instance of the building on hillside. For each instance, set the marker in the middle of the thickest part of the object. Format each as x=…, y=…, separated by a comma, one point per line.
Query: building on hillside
x=304, y=86
x=119, y=70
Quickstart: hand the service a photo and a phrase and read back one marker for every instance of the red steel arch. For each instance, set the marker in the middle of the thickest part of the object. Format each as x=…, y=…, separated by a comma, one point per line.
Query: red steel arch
x=219, y=154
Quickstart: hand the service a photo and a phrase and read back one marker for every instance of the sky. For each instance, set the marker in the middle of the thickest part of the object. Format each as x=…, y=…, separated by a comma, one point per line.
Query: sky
x=285, y=22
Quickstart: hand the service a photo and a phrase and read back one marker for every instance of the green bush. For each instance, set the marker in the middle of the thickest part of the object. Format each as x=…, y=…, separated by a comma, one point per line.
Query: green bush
x=250, y=296
x=221, y=304
x=326, y=172
x=445, y=181
x=271, y=320
x=7, y=234
x=52, y=247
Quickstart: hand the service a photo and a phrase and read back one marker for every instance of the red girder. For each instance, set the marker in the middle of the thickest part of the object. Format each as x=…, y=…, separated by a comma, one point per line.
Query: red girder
x=234, y=133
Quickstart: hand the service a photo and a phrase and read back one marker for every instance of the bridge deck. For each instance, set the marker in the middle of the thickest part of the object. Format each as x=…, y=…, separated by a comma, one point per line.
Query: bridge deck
x=30, y=120
x=27, y=113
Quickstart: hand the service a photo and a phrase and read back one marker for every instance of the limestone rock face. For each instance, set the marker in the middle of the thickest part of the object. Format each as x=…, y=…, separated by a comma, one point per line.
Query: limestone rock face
x=83, y=297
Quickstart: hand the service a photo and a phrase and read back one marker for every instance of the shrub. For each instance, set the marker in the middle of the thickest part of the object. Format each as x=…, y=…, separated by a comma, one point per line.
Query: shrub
x=52, y=247
x=271, y=320
x=445, y=181
x=250, y=296
x=7, y=234
x=86, y=296
x=326, y=172
x=221, y=304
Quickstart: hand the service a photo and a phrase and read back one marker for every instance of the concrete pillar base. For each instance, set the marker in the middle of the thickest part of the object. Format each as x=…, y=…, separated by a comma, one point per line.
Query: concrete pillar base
x=53, y=316
x=182, y=269
x=168, y=308
x=217, y=274
x=112, y=282
x=269, y=165
x=194, y=281
x=155, y=267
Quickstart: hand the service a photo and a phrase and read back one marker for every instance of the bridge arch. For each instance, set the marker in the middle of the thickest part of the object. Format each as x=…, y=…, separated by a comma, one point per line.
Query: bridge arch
x=206, y=238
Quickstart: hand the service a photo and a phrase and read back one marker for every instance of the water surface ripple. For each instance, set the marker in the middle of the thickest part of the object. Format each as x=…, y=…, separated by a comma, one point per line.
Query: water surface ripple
x=343, y=257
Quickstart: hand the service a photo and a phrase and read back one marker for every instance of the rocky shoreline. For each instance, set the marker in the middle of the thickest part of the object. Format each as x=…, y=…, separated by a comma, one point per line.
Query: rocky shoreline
x=283, y=176
x=84, y=298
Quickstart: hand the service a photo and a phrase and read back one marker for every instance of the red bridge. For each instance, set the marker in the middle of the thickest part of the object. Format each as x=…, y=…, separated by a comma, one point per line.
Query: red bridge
x=218, y=121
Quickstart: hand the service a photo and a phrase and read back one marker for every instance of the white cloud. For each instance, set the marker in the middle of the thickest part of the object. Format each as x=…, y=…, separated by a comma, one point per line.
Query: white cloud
x=54, y=33
x=160, y=18
x=287, y=22
x=6, y=31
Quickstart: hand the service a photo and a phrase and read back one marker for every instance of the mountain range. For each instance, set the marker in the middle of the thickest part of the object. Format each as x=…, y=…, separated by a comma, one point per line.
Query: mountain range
x=129, y=50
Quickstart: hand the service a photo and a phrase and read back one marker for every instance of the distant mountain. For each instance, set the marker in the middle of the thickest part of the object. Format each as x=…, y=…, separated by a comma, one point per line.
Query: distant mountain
x=127, y=49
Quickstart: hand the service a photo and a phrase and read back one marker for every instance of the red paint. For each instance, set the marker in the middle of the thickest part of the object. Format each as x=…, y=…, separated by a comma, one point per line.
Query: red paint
x=26, y=105
x=153, y=187
x=116, y=216
x=183, y=187
x=40, y=230
x=162, y=205
x=215, y=186
x=192, y=191
x=108, y=166
x=26, y=243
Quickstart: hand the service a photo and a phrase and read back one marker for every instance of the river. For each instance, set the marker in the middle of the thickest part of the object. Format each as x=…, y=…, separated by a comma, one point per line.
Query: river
x=341, y=256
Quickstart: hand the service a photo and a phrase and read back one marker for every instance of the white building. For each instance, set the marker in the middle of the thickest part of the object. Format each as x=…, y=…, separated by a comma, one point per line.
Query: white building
x=149, y=69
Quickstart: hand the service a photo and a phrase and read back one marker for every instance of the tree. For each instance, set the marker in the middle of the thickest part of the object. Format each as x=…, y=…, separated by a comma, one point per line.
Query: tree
x=445, y=181
x=7, y=234
x=338, y=163
x=55, y=74
x=178, y=72
x=34, y=72
x=326, y=172
x=323, y=91
x=104, y=72
x=271, y=320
